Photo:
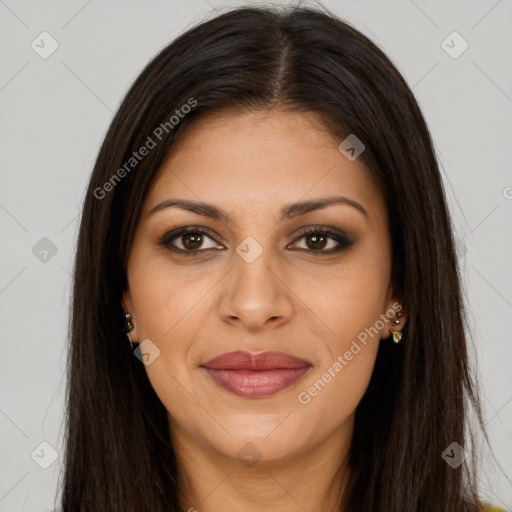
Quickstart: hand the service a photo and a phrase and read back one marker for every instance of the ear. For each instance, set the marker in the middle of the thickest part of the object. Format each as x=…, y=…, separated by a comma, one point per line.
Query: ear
x=126, y=303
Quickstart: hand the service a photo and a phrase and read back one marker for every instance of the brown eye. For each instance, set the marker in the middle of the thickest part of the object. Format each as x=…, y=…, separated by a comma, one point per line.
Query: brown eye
x=316, y=241
x=192, y=242
x=189, y=239
x=324, y=240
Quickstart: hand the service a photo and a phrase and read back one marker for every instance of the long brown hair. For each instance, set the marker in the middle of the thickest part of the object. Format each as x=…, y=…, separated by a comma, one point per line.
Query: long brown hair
x=118, y=452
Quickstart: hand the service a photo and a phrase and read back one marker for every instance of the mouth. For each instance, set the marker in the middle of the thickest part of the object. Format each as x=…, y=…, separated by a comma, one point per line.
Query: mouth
x=256, y=375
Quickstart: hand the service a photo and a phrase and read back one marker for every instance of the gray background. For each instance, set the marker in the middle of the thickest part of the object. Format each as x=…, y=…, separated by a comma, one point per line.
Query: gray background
x=55, y=112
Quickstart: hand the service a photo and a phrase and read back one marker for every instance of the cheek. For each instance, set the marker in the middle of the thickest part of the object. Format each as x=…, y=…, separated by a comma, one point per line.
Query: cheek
x=349, y=307
x=348, y=300
x=167, y=299
x=171, y=306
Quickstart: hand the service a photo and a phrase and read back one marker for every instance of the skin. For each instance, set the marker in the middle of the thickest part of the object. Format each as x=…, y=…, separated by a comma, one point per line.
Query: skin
x=309, y=304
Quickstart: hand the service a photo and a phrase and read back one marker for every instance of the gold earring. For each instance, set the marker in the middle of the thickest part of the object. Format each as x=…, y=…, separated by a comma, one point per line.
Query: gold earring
x=128, y=327
x=397, y=334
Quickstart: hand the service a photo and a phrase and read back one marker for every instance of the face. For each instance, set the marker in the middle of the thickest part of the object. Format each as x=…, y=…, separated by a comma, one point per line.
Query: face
x=256, y=273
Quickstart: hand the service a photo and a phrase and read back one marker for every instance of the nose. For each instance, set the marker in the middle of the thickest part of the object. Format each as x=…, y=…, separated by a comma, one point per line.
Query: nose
x=256, y=295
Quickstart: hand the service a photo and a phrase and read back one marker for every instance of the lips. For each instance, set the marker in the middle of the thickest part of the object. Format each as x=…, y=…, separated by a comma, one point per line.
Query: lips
x=240, y=360
x=256, y=375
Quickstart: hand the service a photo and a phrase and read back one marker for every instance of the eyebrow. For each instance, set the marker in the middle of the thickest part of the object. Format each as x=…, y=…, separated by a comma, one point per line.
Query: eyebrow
x=290, y=211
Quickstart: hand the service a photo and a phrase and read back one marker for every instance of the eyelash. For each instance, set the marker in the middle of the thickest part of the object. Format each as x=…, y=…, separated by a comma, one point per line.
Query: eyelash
x=168, y=238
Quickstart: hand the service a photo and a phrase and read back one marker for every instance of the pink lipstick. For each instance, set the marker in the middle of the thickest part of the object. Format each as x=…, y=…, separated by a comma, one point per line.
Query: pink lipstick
x=256, y=375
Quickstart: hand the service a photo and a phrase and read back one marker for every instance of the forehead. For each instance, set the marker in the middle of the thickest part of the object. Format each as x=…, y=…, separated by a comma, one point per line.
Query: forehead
x=260, y=161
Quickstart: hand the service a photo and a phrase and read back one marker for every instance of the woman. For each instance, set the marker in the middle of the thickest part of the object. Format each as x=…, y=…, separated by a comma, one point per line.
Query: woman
x=267, y=226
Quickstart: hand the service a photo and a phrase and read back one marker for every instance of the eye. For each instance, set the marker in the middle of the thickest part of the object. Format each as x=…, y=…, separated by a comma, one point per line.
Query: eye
x=317, y=240
x=191, y=239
